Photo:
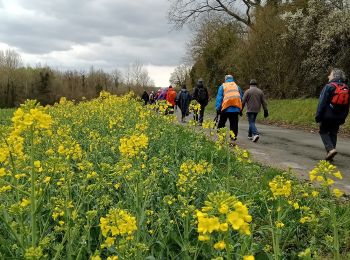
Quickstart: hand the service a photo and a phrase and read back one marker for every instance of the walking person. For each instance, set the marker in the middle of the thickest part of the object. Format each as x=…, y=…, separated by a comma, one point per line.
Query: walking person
x=183, y=100
x=145, y=97
x=201, y=95
x=229, y=104
x=254, y=98
x=152, y=97
x=162, y=94
x=170, y=98
x=333, y=108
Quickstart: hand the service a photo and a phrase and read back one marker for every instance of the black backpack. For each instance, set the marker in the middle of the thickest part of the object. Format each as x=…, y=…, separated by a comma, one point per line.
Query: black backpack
x=202, y=95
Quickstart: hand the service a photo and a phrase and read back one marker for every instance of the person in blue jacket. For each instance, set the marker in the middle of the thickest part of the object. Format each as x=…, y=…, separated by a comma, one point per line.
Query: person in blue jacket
x=229, y=104
x=332, y=110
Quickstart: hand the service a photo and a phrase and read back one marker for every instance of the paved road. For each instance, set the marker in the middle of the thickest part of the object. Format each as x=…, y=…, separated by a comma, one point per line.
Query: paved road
x=297, y=150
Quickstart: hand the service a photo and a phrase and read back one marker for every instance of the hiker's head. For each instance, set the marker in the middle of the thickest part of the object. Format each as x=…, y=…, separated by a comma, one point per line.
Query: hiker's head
x=200, y=82
x=183, y=86
x=337, y=74
x=229, y=78
x=170, y=87
x=253, y=82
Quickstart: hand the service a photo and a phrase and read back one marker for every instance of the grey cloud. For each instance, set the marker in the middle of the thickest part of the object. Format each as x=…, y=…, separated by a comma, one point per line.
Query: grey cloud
x=57, y=25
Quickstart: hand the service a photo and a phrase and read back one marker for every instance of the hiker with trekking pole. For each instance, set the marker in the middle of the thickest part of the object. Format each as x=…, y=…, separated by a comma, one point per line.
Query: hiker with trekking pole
x=229, y=104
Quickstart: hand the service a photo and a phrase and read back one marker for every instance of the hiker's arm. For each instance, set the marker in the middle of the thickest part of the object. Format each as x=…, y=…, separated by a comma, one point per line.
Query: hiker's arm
x=322, y=104
x=263, y=101
x=219, y=98
x=244, y=99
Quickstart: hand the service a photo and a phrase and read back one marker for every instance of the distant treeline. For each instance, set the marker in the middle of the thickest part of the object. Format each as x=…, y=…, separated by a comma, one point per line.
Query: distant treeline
x=18, y=83
x=288, y=46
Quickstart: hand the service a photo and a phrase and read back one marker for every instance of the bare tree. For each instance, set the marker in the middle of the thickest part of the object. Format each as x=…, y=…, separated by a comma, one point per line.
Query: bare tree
x=184, y=11
x=179, y=76
x=116, y=78
x=10, y=59
x=136, y=75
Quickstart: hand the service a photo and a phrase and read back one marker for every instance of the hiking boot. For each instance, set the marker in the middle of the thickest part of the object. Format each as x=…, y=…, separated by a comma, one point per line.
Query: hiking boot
x=255, y=138
x=250, y=137
x=331, y=154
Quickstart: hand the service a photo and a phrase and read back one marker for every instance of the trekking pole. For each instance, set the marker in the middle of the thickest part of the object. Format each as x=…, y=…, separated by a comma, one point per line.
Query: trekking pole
x=216, y=119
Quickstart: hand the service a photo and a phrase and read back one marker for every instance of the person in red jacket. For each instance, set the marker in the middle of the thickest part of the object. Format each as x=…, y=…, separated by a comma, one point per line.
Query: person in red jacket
x=170, y=98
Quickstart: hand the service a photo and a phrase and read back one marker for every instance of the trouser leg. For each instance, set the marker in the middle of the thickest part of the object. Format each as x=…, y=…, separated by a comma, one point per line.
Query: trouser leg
x=201, y=114
x=328, y=136
x=233, y=117
x=252, y=128
x=333, y=133
x=222, y=120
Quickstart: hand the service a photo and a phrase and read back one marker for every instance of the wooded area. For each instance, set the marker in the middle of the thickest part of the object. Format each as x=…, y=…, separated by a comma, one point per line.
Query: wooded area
x=288, y=46
x=18, y=83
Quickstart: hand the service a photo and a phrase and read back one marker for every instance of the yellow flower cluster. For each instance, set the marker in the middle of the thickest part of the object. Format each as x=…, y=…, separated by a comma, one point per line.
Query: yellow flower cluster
x=35, y=117
x=118, y=222
x=132, y=145
x=222, y=211
x=242, y=155
x=280, y=187
x=190, y=172
x=195, y=107
x=323, y=173
x=162, y=107
x=24, y=119
x=208, y=124
x=221, y=138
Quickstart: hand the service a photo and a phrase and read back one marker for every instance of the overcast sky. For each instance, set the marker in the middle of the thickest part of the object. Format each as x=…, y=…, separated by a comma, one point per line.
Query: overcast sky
x=107, y=34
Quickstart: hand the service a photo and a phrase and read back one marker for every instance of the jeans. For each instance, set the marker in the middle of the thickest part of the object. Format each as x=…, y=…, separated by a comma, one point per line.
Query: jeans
x=233, y=117
x=252, y=128
x=328, y=133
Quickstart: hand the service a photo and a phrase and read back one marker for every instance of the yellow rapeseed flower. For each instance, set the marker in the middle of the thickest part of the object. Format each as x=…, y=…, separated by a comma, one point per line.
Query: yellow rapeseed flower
x=280, y=187
x=203, y=238
x=221, y=245
x=2, y=172
x=117, y=222
x=338, y=193
x=24, y=203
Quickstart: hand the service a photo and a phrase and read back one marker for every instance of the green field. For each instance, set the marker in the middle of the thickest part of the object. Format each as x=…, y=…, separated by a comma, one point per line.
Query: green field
x=5, y=115
x=112, y=179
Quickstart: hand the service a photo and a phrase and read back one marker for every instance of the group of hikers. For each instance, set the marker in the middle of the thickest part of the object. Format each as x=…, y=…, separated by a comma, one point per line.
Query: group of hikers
x=230, y=102
x=333, y=106
x=181, y=100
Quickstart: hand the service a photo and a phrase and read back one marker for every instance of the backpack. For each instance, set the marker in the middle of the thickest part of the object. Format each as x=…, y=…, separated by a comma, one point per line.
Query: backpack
x=202, y=95
x=340, y=97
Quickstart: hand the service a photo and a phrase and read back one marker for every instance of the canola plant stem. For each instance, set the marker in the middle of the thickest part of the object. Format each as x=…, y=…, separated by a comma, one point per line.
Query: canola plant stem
x=335, y=233
x=32, y=197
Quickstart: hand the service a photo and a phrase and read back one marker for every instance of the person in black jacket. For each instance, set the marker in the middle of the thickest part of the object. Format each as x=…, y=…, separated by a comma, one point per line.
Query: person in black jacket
x=145, y=97
x=333, y=108
x=201, y=94
x=183, y=99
